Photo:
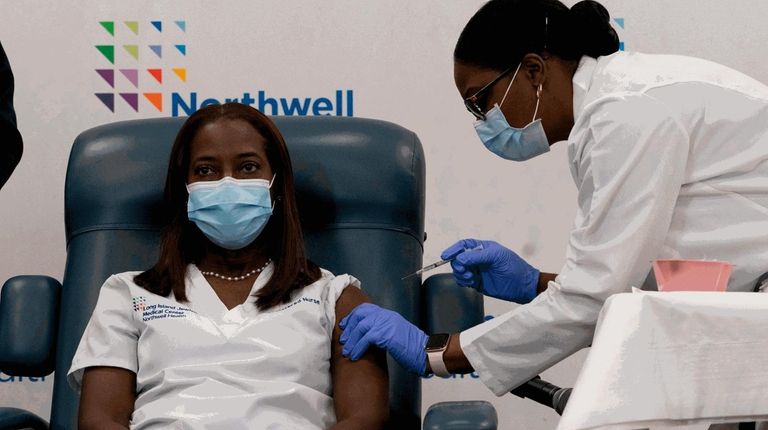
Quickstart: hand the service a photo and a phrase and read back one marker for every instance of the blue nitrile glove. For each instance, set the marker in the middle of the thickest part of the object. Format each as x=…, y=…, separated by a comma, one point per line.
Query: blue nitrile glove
x=369, y=324
x=493, y=270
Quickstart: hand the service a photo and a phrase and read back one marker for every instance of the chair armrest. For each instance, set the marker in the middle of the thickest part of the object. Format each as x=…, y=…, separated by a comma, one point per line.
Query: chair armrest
x=448, y=307
x=470, y=415
x=29, y=312
x=17, y=419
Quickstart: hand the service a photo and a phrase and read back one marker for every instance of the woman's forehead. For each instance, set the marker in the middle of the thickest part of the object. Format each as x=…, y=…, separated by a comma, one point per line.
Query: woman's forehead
x=228, y=136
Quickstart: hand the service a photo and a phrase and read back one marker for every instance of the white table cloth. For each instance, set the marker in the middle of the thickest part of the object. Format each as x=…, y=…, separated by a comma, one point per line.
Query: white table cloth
x=674, y=360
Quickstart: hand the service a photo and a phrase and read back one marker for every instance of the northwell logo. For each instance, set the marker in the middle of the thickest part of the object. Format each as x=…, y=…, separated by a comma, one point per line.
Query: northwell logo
x=139, y=57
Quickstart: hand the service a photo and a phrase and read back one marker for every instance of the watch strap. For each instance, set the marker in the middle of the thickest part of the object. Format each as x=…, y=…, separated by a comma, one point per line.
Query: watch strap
x=437, y=364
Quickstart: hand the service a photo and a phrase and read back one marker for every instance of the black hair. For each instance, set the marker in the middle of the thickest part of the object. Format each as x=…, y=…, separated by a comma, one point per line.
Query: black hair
x=182, y=242
x=502, y=32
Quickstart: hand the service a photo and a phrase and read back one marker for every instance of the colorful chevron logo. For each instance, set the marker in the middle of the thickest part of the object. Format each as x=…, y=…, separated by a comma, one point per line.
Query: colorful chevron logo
x=139, y=303
x=134, y=73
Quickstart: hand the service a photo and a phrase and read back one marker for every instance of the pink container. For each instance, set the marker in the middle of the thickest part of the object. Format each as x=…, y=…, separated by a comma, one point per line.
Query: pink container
x=691, y=275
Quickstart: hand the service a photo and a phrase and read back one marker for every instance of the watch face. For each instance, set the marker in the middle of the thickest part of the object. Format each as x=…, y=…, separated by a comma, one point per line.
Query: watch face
x=437, y=341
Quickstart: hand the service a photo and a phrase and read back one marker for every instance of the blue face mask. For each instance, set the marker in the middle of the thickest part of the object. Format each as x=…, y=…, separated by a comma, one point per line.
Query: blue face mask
x=230, y=212
x=518, y=144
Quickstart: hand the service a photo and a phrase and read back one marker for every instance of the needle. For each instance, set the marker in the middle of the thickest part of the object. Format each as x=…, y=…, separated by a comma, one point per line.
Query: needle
x=440, y=263
x=425, y=268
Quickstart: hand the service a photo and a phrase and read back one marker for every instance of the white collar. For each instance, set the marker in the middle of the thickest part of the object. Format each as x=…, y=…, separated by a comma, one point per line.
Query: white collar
x=582, y=80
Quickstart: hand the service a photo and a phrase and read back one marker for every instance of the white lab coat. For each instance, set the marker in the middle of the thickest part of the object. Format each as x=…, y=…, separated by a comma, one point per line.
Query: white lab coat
x=201, y=366
x=670, y=157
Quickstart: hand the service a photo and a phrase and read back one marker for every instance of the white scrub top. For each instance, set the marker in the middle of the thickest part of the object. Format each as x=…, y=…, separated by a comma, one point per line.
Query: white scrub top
x=670, y=157
x=201, y=366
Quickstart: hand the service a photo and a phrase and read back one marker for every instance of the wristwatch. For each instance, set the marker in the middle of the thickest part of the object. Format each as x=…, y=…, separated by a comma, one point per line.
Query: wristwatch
x=436, y=345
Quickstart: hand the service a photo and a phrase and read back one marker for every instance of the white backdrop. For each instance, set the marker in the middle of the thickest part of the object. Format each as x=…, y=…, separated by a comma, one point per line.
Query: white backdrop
x=391, y=59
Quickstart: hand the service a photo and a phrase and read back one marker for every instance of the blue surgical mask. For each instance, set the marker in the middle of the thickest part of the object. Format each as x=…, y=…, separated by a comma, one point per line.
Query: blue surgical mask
x=518, y=144
x=230, y=212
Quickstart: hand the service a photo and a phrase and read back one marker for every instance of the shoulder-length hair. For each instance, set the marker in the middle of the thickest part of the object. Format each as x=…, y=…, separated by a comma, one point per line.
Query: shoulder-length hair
x=182, y=243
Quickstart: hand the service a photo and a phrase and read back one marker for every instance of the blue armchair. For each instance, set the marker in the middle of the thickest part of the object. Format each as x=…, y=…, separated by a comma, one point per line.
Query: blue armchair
x=360, y=190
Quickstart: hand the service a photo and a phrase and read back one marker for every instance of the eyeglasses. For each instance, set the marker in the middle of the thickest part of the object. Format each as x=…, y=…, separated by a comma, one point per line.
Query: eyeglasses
x=471, y=102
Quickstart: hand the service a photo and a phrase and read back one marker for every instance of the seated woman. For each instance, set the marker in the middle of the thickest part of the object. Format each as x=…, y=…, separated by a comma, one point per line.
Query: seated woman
x=232, y=328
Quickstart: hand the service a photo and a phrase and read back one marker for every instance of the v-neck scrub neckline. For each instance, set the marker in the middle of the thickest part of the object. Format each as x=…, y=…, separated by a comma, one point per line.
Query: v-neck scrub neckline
x=207, y=302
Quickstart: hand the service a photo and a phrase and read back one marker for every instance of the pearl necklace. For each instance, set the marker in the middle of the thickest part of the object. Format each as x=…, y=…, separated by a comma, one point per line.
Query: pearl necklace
x=241, y=277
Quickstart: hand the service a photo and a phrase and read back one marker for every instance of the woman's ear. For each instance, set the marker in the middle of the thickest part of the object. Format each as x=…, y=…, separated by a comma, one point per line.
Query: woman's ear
x=535, y=69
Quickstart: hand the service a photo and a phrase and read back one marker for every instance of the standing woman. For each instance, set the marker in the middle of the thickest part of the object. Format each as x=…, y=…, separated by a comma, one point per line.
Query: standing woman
x=669, y=155
x=233, y=327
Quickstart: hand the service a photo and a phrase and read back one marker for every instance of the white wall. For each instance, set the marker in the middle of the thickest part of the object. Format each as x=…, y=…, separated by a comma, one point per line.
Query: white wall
x=396, y=57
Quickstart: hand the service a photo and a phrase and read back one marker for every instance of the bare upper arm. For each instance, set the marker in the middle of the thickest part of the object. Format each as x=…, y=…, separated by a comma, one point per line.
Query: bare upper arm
x=360, y=388
x=106, y=398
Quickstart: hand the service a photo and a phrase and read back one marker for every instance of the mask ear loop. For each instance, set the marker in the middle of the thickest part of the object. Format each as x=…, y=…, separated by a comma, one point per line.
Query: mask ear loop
x=510, y=84
x=274, y=175
x=538, y=99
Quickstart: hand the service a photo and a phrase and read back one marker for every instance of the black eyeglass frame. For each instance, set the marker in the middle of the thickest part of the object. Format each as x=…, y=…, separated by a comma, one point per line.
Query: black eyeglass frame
x=471, y=102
